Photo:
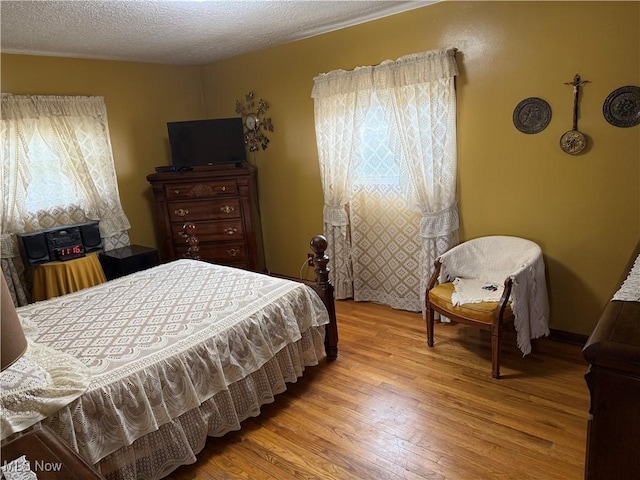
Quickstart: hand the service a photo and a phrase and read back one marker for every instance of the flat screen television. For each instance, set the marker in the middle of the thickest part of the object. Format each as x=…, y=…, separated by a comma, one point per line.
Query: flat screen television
x=207, y=142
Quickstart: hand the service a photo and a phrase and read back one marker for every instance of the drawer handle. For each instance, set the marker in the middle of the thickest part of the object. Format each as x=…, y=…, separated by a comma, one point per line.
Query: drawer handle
x=227, y=209
x=224, y=189
x=230, y=230
x=181, y=212
x=233, y=252
x=176, y=191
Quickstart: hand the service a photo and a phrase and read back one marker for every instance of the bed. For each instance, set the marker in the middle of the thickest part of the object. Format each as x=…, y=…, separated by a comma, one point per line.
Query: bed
x=136, y=373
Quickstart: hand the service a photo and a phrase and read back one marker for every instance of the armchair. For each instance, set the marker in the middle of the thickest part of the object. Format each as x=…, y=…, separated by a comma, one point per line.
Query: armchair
x=487, y=281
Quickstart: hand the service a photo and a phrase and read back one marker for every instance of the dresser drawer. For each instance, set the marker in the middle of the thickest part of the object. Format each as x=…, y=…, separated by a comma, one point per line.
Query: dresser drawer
x=184, y=191
x=222, y=202
x=217, y=231
x=208, y=210
x=233, y=253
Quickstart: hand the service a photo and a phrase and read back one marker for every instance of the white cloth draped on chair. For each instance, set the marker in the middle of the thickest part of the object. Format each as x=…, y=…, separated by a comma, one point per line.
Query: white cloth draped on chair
x=491, y=260
x=387, y=149
x=76, y=182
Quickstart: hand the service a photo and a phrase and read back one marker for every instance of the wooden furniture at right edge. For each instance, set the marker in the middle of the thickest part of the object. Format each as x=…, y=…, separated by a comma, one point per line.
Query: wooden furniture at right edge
x=613, y=378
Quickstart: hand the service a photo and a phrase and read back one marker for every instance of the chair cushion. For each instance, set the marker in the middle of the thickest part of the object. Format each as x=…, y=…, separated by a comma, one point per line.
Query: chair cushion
x=440, y=296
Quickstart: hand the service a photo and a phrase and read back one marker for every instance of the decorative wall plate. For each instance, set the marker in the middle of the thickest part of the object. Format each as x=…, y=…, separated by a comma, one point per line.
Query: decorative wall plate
x=622, y=107
x=532, y=115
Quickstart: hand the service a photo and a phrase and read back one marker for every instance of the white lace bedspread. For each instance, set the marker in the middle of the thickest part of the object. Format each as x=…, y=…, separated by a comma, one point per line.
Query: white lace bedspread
x=164, y=341
x=629, y=291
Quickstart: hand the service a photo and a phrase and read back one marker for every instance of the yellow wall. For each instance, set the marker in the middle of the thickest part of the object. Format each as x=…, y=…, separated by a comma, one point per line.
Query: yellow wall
x=140, y=99
x=584, y=211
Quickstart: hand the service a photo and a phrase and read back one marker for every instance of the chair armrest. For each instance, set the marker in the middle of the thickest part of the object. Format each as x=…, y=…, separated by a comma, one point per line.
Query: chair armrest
x=506, y=293
x=434, y=276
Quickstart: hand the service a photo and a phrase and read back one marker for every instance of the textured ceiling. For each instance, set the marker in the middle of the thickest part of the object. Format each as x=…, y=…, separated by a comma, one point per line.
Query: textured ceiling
x=175, y=32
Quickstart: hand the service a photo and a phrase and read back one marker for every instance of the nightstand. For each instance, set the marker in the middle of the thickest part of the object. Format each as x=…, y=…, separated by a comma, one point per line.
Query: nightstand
x=59, y=278
x=125, y=260
x=48, y=456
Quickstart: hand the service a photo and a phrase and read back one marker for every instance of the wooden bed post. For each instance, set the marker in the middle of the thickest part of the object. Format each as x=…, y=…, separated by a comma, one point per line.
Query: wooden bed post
x=325, y=290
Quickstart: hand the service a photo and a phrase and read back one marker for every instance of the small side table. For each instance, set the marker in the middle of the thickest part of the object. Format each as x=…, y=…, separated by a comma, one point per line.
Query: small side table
x=48, y=456
x=59, y=278
x=125, y=260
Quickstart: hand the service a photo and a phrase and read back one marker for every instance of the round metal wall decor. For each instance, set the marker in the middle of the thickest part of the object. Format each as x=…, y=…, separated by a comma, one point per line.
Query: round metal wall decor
x=256, y=125
x=573, y=142
x=622, y=107
x=532, y=115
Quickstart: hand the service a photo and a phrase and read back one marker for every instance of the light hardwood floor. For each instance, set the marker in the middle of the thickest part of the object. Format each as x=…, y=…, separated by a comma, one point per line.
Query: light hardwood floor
x=391, y=408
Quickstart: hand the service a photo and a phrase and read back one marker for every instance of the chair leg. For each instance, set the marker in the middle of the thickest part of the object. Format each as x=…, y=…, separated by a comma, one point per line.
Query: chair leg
x=496, y=337
x=430, y=326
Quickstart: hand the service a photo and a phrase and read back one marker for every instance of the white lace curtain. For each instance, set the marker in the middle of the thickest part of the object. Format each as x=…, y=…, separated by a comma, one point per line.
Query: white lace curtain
x=386, y=139
x=57, y=169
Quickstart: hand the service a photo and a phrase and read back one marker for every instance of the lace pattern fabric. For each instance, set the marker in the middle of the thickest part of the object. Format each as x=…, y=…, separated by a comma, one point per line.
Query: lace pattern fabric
x=629, y=291
x=494, y=258
x=166, y=341
x=18, y=469
x=176, y=443
x=386, y=138
x=475, y=290
x=41, y=382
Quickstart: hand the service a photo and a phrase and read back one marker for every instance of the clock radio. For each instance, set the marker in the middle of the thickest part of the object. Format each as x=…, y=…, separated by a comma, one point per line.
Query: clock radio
x=59, y=243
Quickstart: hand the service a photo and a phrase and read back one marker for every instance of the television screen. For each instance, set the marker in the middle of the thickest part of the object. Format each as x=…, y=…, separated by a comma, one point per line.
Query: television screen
x=207, y=142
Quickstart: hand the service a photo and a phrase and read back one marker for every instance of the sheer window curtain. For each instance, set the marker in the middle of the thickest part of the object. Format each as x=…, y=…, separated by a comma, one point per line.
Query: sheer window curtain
x=397, y=178
x=57, y=169
x=339, y=110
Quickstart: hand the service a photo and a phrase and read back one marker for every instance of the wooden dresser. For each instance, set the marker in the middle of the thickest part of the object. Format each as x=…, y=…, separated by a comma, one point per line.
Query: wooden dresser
x=222, y=201
x=613, y=378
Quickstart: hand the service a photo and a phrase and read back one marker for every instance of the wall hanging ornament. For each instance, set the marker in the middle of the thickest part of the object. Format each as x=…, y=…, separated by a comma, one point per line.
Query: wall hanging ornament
x=255, y=123
x=532, y=115
x=573, y=141
x=621, y=108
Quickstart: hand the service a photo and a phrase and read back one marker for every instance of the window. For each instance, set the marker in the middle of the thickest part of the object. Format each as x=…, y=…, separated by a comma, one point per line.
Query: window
x=51, y=185
x=57, y=166
x=376, y=160
x=387, y=151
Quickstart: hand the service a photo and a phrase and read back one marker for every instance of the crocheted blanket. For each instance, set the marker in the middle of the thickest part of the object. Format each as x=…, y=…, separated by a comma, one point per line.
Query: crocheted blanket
x=479, y=269
x=629, y=291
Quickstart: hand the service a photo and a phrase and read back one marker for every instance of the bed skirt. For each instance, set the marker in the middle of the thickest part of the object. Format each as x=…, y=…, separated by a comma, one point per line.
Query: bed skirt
x=177, y=443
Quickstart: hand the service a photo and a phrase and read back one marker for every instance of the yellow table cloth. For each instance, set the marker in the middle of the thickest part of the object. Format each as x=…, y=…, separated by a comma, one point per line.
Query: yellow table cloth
x=59, y=278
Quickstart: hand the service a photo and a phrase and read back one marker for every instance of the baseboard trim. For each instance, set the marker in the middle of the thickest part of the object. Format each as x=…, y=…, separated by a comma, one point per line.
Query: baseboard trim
x=568, y=337
x=554, y=334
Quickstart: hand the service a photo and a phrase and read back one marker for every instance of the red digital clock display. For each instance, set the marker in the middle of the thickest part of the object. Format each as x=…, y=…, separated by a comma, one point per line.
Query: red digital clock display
x=70, y=251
